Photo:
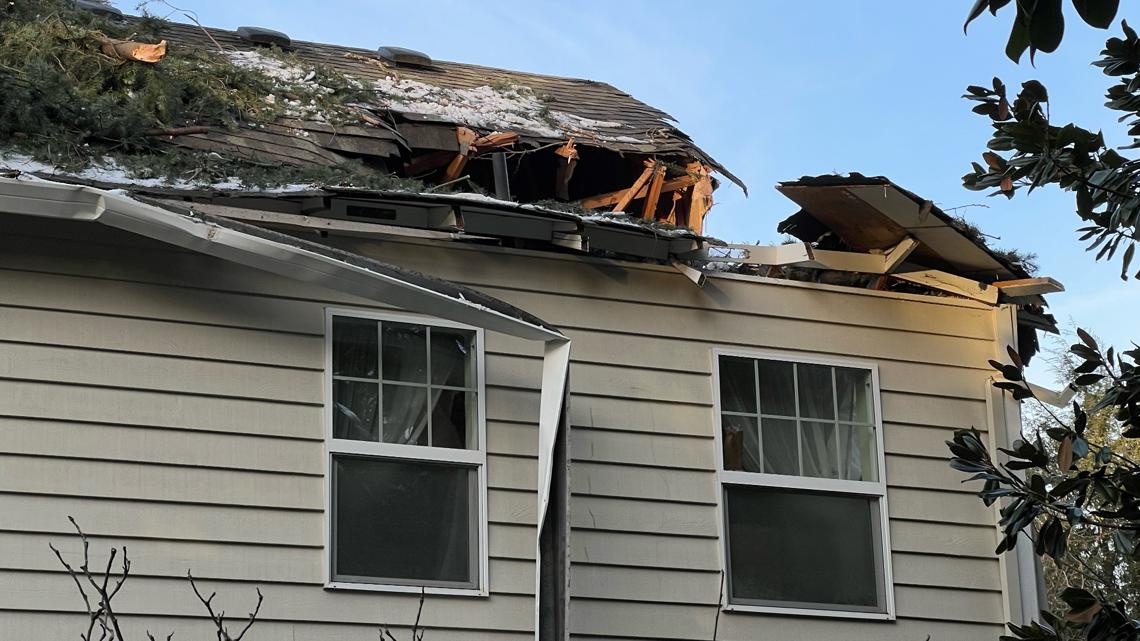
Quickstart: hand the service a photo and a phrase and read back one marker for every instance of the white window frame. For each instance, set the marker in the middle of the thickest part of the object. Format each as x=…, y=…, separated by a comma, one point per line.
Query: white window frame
x=394, y=451
x=874, y=489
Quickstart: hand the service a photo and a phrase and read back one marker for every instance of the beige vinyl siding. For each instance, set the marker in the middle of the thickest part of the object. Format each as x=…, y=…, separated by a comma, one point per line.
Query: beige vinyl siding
x=173, y=403
x=196, y=377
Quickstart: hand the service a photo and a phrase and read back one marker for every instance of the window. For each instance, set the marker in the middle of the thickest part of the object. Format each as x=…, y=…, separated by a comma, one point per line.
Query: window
x=803, y=497
x=407, y=460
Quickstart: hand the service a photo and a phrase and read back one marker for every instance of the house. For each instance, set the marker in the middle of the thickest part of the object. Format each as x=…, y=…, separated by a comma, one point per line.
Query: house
x=551, y=421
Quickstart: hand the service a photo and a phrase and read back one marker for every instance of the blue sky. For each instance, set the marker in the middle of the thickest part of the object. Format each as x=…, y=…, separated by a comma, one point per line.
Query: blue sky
x=776, y=90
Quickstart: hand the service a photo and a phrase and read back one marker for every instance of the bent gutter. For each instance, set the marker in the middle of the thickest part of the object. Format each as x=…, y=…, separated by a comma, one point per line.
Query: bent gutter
x=311, y=262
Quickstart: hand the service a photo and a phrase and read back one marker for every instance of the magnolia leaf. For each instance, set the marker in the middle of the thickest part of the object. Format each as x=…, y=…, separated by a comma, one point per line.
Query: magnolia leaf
x=1046, y=26
x=1065, y=454
x=1097, y=13
x=1083, y=616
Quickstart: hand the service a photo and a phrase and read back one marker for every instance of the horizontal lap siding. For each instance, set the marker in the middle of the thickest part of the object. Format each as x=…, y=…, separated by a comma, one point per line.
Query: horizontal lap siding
x=173, y=403
x=643, y=480
x=643, y=547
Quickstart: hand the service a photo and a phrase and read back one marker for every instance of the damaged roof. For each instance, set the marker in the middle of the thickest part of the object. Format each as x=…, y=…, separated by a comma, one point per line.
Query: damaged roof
x=539, y=108
x=872, y=213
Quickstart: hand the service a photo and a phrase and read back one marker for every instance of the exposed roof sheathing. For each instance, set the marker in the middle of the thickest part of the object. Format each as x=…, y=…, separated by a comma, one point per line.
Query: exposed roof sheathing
x=873, y=213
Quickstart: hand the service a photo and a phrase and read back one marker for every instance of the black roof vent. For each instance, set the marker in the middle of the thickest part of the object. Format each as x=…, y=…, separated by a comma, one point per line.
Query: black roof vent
x=402, y=56
x=266, y=37
x=100, y=8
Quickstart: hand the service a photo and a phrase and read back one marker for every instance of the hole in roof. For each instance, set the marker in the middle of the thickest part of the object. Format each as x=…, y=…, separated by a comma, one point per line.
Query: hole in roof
x=265, y=37
x=99, y=8
x=402, y=56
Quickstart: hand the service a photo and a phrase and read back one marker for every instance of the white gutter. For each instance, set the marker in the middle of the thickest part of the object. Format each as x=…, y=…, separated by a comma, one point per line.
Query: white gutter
x=310, y=262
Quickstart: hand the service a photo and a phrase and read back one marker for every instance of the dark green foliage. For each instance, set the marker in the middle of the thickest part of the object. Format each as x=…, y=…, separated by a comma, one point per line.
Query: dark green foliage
x=63, y=101
x=1058, y=485
x=1106, y=185
x=1039, y=25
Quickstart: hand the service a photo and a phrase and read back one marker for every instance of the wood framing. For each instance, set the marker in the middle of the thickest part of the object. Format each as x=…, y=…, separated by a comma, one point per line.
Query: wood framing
x=565, y=171
x=610, y=198
x=649, y=209
x=465, y=137
x=952, y=284
x=701, y=198
x=804, y=255
x=627, y=198
x=1030, y=286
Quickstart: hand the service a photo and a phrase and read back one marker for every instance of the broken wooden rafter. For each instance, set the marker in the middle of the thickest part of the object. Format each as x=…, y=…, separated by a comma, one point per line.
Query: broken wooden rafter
x=952, y=284
x=492, y=142
x=465, y=137
x=610, y=198
x=565, y=171
x=649, y=209
x=627, y=198
x=471, y=144
x=1029, y=286
x=701, y=198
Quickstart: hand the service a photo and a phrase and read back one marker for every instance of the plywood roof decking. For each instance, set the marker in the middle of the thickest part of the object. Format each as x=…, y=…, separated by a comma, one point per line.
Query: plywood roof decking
x=640, y=128
x=873, y=213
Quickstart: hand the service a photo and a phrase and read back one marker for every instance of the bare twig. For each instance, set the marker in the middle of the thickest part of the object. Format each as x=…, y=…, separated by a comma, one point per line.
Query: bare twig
x=219, y=618
x=719, y=596
x=189, y=15
x=417, y=633
x=101, y=613
x=177, y=131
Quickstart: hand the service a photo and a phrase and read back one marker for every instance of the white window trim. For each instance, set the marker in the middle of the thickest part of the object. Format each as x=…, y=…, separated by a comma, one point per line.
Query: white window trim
x=477, y=457
x=841, y=486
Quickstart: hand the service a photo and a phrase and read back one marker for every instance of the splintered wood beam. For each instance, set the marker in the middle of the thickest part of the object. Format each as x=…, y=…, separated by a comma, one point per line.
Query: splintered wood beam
x=491, y=142
x=790, y=254
x=649, y=209
x=898, y=254
x=701, y=200
x=952, y=284
x=465, y=137
x=1029, y=286
x=804, y=255
x=565, y=171
x=637, y=185
x=671, y=217
x=609, y=198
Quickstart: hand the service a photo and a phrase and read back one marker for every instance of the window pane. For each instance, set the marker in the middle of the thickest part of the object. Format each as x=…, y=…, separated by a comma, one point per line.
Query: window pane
x=781, y=449
x=821, y=454
x=777, y=388
x=402, y=521
x=859, y=460
x=355, y=410
x=816, y=398
x=354, y=347
x=737, y=385
x=797, y=548
x=405, y=415
x=741, y=442
x=405, y=352
x=452, y=419
x=854, y=389
x=452, y=361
